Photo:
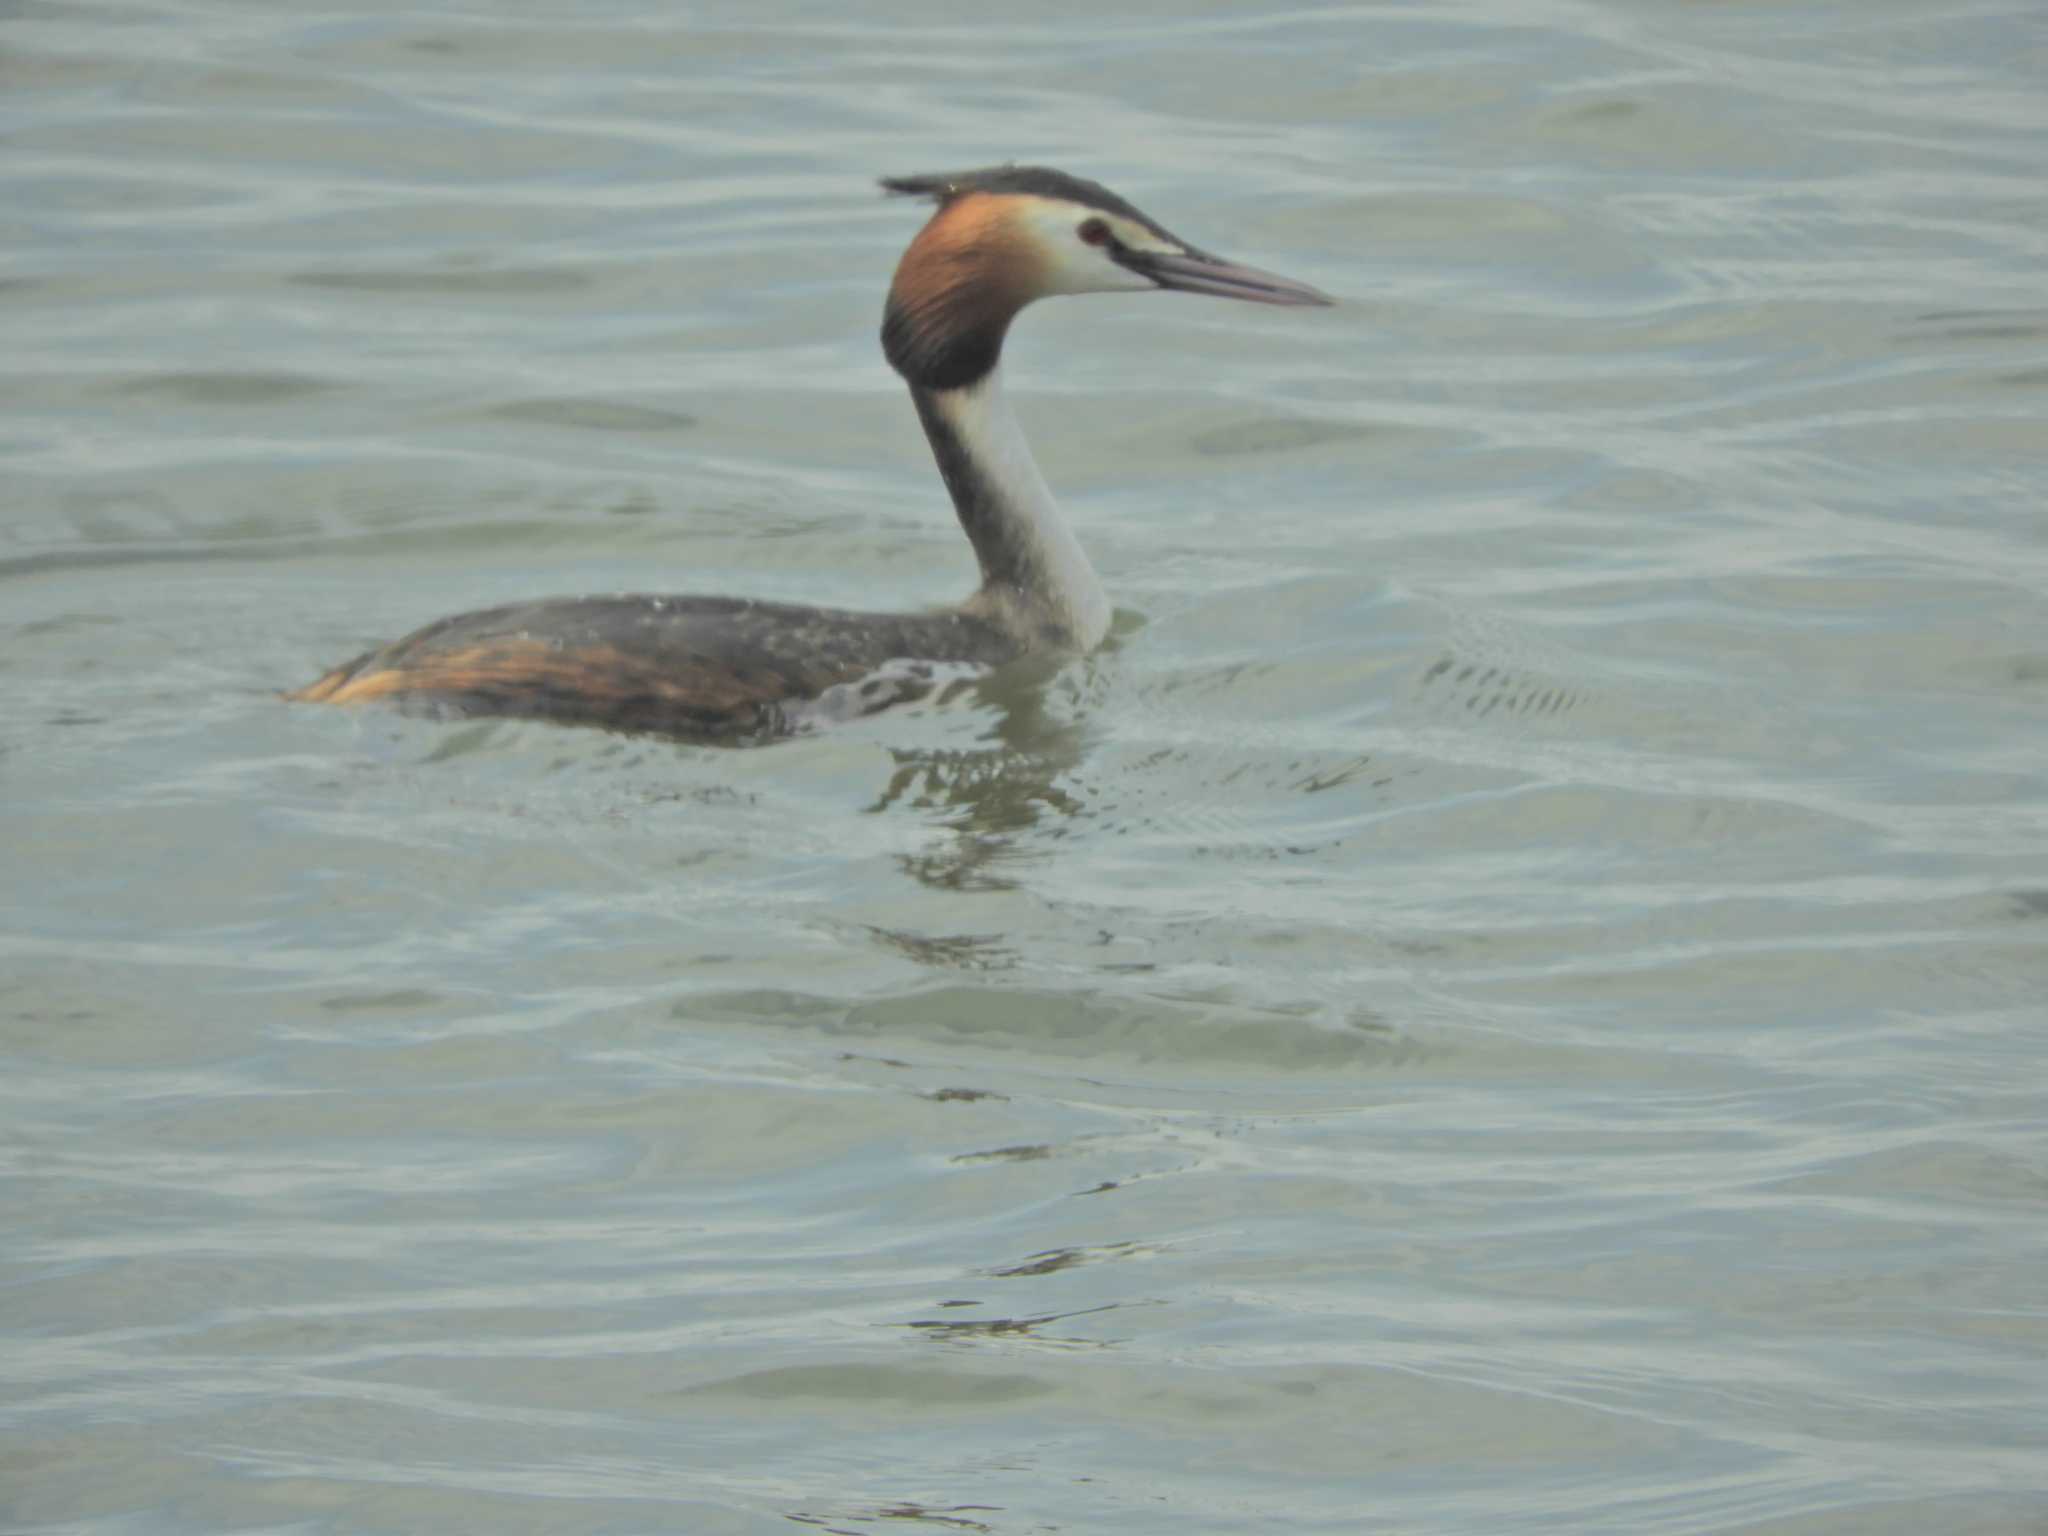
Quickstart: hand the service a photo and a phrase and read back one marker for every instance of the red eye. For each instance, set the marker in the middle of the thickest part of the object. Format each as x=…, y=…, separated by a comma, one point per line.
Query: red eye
x=1094, y=232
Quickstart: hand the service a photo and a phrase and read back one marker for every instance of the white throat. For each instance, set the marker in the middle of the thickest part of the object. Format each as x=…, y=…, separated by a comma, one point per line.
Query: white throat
x=1035, y=575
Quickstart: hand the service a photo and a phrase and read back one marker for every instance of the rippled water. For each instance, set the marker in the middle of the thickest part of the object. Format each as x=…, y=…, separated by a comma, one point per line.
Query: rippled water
x=1511, y=999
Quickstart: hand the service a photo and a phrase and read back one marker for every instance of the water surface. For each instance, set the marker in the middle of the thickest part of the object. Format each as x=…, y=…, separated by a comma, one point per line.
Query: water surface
x=1510, y=999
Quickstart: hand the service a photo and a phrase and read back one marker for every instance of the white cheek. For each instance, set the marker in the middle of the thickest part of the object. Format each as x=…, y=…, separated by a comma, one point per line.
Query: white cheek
x=1071, y=264
x=1078, y=267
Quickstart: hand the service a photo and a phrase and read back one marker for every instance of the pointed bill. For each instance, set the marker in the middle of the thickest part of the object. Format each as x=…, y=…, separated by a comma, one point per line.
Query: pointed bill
x=1194, y=271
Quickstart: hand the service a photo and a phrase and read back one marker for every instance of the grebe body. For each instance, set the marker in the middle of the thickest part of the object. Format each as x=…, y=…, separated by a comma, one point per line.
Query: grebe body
x=703, y=668
x=731, y=669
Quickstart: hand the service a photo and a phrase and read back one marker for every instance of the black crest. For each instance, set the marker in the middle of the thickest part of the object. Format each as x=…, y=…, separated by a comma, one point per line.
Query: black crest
x=1026, y=180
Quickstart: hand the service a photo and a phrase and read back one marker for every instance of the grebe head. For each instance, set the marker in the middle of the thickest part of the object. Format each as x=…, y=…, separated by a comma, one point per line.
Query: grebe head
x=1005, y=236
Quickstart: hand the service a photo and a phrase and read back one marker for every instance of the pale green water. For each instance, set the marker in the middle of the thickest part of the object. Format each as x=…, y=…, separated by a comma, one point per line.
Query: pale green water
x=1514, y=999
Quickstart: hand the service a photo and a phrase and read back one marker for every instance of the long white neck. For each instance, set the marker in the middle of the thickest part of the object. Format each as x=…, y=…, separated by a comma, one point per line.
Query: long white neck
x=1035, y=577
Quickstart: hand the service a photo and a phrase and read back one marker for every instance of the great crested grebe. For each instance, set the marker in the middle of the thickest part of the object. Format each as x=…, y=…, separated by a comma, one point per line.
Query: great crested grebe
x=731, y=669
